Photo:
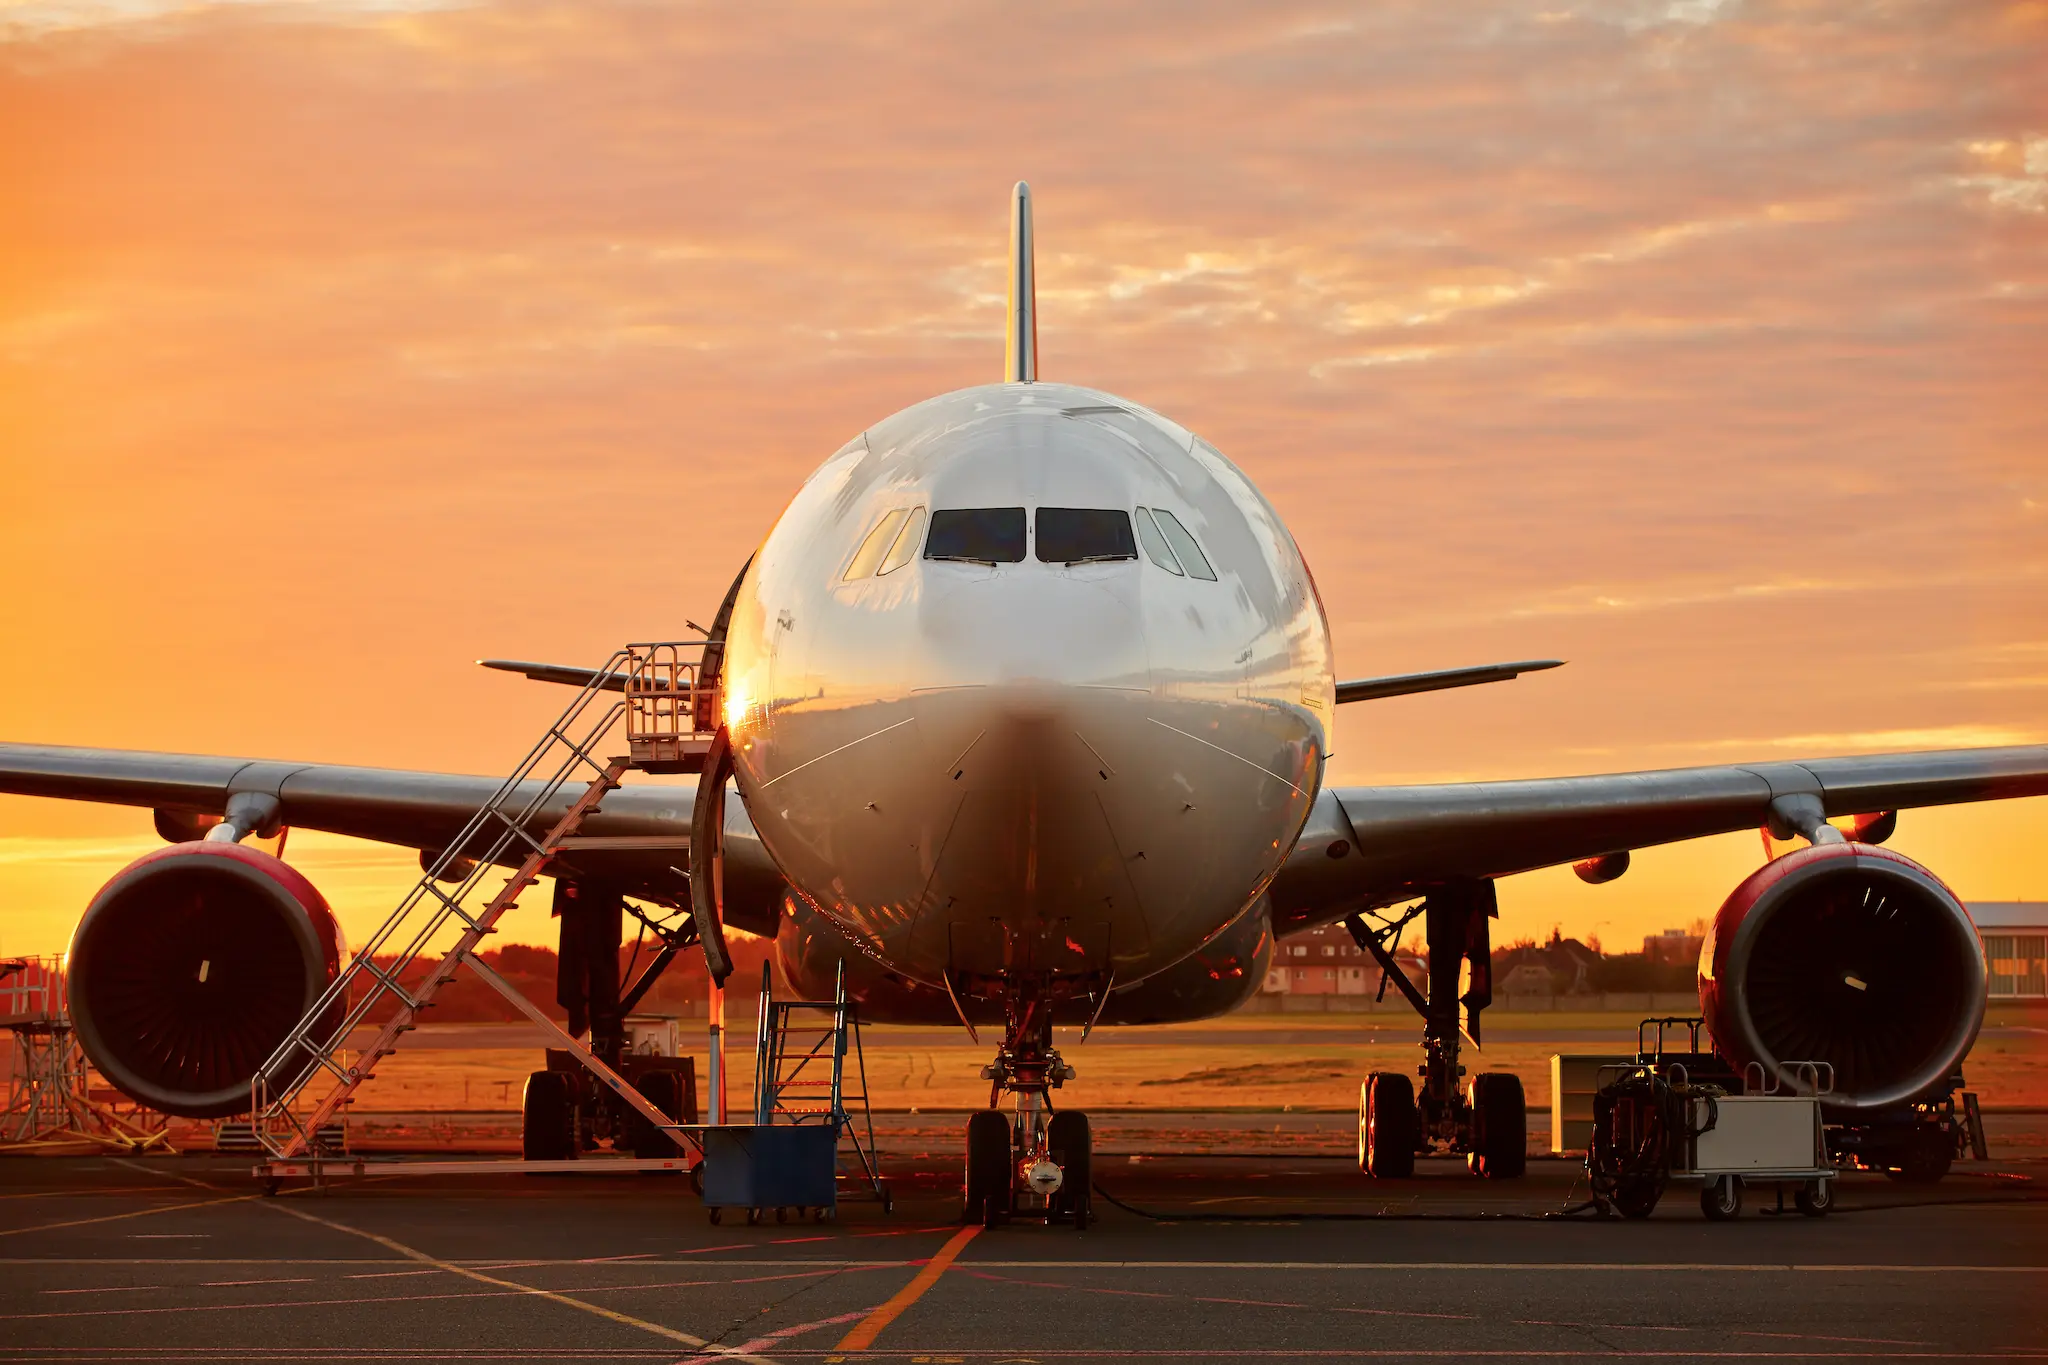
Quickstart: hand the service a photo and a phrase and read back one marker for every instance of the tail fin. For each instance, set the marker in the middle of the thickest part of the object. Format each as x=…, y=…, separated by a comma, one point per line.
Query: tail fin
x=1020, y=349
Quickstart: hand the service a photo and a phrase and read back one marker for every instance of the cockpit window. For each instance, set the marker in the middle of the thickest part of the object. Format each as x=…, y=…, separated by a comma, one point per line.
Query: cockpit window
x=876, y=545
x=1084, y=535
x=905, y=548
x=1155, y=544
x=980, y=535
x=1184, y=548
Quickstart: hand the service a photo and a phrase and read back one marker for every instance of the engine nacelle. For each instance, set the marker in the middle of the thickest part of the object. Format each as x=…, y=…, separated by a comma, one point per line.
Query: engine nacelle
x=1851, y=955
x=191, y=966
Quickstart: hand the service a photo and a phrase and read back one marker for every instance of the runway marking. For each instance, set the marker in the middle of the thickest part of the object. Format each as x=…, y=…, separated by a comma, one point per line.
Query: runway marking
x=1006, y=1354
x=109, y=1289
x=596, y=1310
x=875, y=1263
x=762, y=1343
x=248, y=1307
x=389, y=1274
x=512, y=1291
x=870, y=1327
x=1461, y=1317
x=69, y=1194
x=237, y=1284
x=1563, y=1267
x=1238, y=1303
x=132, y=1213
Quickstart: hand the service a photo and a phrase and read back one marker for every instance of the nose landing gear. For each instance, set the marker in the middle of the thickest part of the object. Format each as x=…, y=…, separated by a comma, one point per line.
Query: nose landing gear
x=1034, y=1163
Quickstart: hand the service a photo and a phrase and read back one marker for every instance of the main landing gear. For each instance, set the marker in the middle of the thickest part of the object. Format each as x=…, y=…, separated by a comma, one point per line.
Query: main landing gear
x=1485, y=1120
x=1034, y=1163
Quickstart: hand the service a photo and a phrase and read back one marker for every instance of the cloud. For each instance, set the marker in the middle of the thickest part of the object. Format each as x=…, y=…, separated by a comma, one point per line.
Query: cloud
x=30, y=19
x=1697, y=343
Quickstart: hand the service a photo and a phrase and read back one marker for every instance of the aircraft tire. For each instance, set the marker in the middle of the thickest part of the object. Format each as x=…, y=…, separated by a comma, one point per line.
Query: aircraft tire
x=1387, y=1124
x=1068, y=1140
x=986, y=1189
x=547, y=1118
x=1500, y=1127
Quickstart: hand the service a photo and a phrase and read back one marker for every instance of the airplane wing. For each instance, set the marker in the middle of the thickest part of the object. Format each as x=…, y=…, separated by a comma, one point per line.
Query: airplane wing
x=389, y=805
x=1398, y=842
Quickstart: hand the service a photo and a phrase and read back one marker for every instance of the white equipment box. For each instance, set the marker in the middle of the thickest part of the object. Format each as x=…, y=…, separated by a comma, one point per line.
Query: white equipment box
x=1758, y=1136
x=657, y=1035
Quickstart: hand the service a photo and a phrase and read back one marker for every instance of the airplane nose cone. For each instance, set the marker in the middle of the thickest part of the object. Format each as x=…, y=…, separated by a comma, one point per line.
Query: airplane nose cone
x=1036, y=628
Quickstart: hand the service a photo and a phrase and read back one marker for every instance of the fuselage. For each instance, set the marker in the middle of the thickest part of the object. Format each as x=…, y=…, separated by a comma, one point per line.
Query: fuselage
x=1028, y=679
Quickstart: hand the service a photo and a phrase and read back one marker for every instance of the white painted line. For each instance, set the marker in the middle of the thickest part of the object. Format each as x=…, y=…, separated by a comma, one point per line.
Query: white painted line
x=1516, y=1267
x=109, y=1289
x=1363, y=1267
x=390, y=1274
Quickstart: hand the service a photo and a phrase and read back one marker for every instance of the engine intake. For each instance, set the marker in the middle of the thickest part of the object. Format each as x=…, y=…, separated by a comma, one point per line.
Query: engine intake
x=1851, y=955
x=191, y=966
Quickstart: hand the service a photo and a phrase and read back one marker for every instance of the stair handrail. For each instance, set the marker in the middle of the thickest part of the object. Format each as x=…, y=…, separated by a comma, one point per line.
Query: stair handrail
x=271, y=1102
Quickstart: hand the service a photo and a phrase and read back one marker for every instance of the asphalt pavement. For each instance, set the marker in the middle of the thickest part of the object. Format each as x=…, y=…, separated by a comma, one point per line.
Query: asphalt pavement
x=1257, y=1254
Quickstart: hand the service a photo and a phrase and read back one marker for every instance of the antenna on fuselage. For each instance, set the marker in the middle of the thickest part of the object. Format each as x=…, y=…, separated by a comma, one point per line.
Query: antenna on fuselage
x=1020, y=348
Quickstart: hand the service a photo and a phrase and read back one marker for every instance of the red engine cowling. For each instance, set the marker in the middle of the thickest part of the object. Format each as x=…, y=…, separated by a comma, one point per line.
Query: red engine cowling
x=1847, y=954
x=191, y=966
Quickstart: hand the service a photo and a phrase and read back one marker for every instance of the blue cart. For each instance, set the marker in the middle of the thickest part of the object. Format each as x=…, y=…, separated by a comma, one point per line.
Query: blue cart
x=780, y=1166
x=787, y=1159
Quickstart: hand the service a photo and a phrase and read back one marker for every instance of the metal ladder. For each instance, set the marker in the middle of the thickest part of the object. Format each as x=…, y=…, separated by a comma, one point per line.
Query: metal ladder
x=49, y=1097
x=808, y=1058
x=664, y=714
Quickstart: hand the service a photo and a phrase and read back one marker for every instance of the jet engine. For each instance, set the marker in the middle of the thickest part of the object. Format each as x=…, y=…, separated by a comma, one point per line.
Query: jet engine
x=1847, y=954
x=191, y=966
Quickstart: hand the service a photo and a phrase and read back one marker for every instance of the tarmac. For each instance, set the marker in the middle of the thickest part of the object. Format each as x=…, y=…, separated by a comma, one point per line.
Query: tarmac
x=1241, y=1237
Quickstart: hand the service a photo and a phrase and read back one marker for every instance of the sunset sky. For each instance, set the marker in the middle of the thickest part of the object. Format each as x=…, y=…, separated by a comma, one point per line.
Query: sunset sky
x=1700, y=344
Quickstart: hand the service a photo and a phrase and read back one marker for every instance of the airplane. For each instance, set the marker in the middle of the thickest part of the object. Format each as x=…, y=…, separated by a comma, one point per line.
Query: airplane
x=1027, y=701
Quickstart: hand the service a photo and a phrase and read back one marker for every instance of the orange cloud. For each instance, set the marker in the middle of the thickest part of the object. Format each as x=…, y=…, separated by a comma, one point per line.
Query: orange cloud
x=1699, y=344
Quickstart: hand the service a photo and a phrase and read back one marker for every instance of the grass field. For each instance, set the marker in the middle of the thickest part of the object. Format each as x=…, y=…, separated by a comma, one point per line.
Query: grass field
x=1262, y=1062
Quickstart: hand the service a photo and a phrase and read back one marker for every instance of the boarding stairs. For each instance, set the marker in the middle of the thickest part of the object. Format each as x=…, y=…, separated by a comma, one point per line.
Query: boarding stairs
x=670, y=718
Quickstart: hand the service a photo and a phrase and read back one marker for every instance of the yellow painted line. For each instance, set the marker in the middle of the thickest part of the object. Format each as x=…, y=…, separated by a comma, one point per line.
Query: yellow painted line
x=411, y=1253
x=870, y=1327
x=132, y=1213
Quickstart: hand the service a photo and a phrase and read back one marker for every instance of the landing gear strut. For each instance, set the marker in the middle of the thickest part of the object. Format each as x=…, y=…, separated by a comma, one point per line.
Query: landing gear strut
x=1035, y=1163
x=1484, y=1121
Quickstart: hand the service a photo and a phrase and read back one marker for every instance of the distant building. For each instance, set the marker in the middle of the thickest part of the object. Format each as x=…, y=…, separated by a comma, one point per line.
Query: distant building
x=1327, y=961
x=1562, y=966
x=2015, y=935
x=1673, y=945
x=1527, y=978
